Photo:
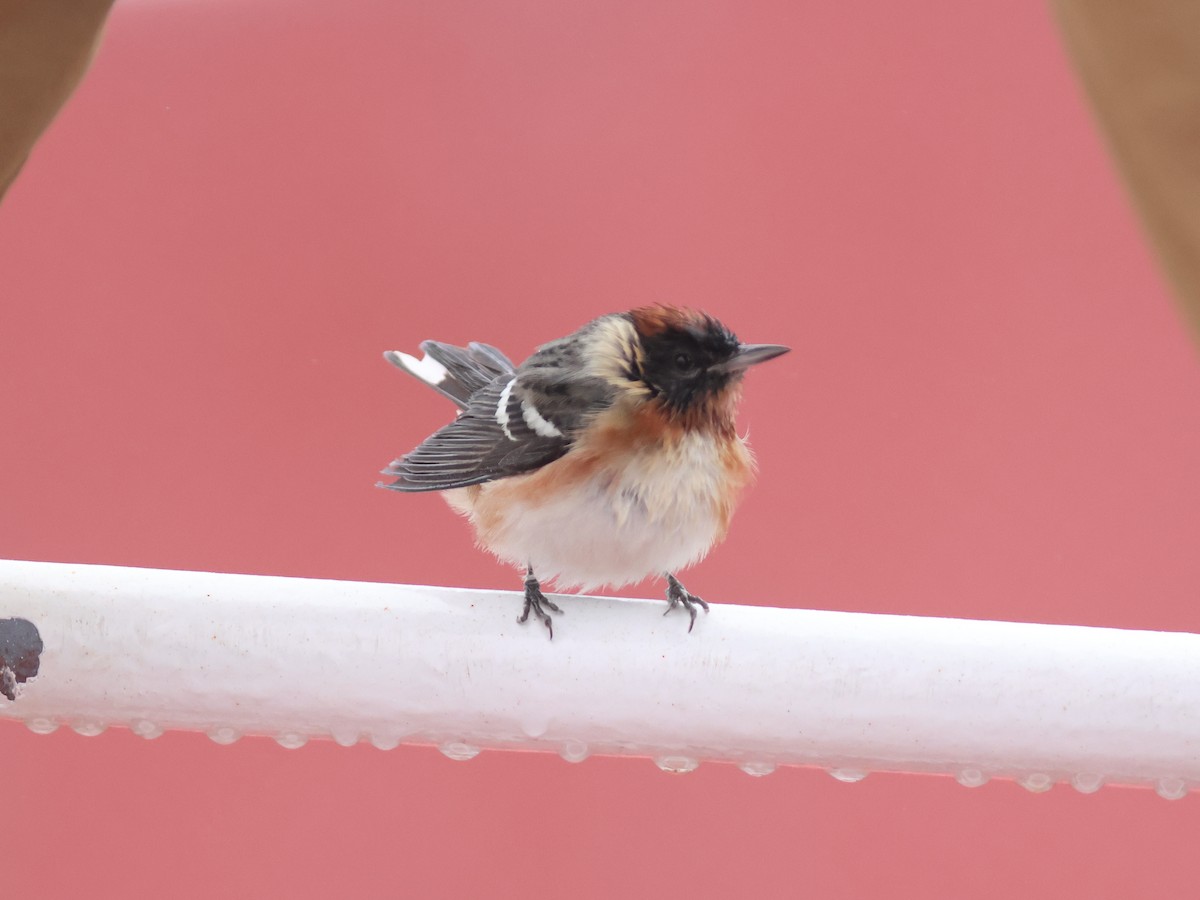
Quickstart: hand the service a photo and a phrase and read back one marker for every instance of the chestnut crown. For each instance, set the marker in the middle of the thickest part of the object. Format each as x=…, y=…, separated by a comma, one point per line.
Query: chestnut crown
x=689, y=357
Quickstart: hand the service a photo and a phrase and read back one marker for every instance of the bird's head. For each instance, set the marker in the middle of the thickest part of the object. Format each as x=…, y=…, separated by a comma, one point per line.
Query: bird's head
x=686, y=363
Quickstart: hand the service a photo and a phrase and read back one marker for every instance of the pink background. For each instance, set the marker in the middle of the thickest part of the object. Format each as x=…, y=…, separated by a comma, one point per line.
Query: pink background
x=992, y=409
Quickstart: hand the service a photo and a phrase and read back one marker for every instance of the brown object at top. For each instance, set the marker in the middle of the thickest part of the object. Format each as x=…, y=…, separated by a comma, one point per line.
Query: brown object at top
x=45, y=48
x=1140, y=65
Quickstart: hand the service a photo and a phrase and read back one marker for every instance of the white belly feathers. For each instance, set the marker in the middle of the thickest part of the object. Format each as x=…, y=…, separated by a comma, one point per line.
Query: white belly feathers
x=661, y=511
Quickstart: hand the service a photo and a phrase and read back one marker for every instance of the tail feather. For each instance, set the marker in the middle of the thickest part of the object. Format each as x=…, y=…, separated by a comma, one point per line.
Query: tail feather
x=490, y=358
x=454, y=372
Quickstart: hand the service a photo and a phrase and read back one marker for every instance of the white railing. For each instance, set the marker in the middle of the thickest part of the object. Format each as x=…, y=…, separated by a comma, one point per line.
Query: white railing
x=759, y=687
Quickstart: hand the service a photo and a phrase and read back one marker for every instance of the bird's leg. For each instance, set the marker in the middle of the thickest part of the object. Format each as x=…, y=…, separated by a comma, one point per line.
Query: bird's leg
x=538, y=602
x=678, y=595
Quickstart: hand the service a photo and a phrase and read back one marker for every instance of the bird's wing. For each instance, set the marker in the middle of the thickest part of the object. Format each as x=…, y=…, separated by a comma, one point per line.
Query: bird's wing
x=500, y=433
x=454, y=372
x=517, y=422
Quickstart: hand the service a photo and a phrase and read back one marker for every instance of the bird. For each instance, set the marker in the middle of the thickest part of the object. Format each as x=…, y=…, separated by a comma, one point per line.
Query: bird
x=609, y=456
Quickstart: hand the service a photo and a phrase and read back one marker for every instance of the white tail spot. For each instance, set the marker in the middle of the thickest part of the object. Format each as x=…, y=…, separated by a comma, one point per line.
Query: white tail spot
x=429, y=370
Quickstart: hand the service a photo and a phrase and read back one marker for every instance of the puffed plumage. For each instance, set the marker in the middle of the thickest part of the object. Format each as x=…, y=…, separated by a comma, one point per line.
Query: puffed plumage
x=608, y=456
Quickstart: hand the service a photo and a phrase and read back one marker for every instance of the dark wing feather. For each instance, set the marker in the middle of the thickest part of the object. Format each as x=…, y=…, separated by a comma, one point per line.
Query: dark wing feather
x=476, y=447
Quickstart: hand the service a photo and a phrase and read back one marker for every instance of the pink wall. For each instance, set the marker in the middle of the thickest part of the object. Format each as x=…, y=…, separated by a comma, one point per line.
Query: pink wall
x=992, y=409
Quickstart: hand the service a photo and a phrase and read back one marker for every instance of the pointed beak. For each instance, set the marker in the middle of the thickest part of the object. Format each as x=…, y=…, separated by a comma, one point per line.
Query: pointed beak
x=751, y=355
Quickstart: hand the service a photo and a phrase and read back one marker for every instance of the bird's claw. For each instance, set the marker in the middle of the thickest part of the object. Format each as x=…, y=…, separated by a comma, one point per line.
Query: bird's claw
x=537, y=603
x=678, y=595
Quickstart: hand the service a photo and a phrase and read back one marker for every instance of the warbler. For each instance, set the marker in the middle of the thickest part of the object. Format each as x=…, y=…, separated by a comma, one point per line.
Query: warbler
x=610, y=455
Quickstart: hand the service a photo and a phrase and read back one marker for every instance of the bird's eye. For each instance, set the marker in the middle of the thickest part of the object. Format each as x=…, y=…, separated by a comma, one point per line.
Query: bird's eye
x=683, y=362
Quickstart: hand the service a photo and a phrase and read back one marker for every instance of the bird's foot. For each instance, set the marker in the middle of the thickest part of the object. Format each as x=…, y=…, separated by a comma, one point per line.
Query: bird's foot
x=678, y=595
x=537, y=603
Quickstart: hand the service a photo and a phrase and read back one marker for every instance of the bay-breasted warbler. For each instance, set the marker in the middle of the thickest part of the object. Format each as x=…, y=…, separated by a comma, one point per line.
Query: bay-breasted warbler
x=608, y=456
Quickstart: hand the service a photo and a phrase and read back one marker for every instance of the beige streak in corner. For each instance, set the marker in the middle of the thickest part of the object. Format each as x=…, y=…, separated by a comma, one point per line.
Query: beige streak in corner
x=45, y=48
x=1140, y=65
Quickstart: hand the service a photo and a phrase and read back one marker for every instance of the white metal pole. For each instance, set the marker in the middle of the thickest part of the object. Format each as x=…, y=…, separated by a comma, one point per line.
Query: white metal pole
x=298, y=658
